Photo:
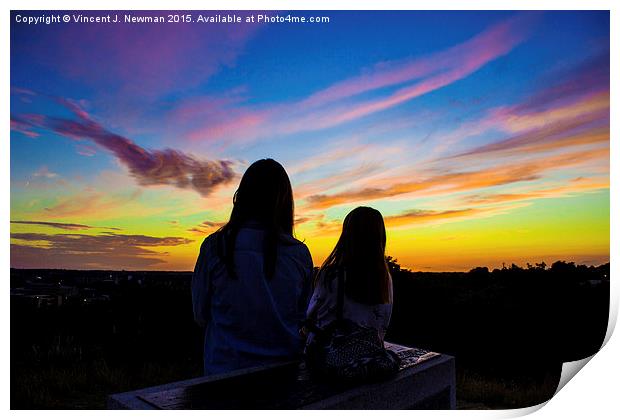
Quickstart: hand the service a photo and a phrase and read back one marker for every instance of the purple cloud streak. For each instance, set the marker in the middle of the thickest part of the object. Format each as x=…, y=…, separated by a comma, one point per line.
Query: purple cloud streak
x=89, y=251
x=58, y=225
x=148, y=167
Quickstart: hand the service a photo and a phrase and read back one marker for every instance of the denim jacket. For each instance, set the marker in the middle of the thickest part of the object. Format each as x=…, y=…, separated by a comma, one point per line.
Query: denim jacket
x=251, y=320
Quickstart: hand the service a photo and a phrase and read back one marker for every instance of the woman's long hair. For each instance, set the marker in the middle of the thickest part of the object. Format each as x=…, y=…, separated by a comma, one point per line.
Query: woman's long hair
x=264, y=196
x=361, y=252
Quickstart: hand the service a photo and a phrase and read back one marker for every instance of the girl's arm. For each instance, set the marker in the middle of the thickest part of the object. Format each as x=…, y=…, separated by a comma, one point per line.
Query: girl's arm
x=318, y=299
x=201, y=301
x=389, y=306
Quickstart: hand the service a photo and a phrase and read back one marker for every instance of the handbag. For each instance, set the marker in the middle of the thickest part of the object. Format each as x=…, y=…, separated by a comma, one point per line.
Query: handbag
x=347, y=351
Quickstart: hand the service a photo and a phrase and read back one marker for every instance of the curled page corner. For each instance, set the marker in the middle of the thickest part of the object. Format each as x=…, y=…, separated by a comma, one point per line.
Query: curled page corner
x=521, y=412
x=614, y=298
x=569, y=370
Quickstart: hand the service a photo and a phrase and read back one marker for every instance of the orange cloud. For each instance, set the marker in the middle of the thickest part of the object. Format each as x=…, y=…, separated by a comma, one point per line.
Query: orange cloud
x=418, y=216
x=572, y=110
x=575, y=186
x=206, y=228
x=88, y=203
x=413, y=217
x=460, y=181
x=582, y=123
x=590, y=108
x=422, y=216
x=324, y=184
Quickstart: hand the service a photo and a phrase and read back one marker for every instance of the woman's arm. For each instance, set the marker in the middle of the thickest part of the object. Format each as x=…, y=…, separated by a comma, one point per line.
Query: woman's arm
x=317, y=300
x=323, y=302
x=201, y=300
x=388, y=309
x=307, y=271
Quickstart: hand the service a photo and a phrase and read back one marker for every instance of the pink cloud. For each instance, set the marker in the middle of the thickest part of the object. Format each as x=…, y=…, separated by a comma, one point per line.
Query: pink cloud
x=571, y=110
x=244, y=124
x=23, y=128
x=85, y=150
x=148, y=167
x=332, y=106
x=582, y=122
x=495, y=41
x=569, y=85
x=146, y=60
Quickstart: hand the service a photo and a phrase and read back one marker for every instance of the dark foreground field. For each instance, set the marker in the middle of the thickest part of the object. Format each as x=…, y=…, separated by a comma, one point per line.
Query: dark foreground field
x=78, y=336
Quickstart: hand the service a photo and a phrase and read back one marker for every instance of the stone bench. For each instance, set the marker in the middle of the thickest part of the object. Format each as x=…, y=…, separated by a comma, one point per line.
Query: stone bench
x=426, y=380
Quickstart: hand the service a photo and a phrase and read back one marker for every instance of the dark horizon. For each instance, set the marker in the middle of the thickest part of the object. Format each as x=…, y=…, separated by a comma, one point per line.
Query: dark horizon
x=507, y=266
x=101, y=330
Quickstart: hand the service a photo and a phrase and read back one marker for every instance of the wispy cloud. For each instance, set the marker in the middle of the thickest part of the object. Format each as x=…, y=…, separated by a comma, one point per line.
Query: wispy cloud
x=461, y=181
x=574, y=186
x=205, y=228
x=418, y=216
x=148, y=167
x=338, y=104
x=569, y=84
x=85, y=150
x=415, y=217
x=89, y=202
x=582, y=123
x=335, y=179
x=571, y=109
x=454, y=63
x=44, y=172
x=37, y=250
x=23, y=127
x=59, y=225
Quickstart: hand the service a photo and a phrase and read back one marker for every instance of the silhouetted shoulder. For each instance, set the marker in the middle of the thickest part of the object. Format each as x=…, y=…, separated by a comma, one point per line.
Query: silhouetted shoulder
x=296, y=247
x=209, y=245
x=288, y=240
x=210, y=241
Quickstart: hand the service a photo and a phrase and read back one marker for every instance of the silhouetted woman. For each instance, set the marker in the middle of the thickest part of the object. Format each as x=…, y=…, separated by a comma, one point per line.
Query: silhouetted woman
x=360, y=252
x=252, y=279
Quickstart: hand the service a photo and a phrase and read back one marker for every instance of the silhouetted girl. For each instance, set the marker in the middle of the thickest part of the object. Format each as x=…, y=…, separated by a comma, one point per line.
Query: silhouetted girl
x=252, y=279
x=360, y=252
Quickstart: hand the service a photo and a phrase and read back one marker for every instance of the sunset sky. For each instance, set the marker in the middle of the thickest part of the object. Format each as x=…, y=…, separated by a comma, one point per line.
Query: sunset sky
x=482, y=137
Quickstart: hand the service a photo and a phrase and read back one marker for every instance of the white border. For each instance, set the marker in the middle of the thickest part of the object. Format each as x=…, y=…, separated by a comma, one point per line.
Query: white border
x=315, y=5
x=592, y=394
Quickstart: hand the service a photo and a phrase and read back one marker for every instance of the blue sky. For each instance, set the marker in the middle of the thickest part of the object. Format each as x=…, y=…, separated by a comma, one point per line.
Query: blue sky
x=438, y=119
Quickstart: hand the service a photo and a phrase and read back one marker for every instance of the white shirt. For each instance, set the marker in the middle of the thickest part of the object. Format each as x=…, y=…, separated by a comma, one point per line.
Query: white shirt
x=323, y=307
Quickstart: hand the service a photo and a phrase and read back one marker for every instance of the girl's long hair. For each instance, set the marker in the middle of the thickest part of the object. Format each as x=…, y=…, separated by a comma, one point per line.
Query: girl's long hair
x=361, y=252
x=264, y=196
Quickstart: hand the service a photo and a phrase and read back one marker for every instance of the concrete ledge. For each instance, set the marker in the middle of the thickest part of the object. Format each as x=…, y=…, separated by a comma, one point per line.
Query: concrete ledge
x=131, y=400
x=429, y=383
